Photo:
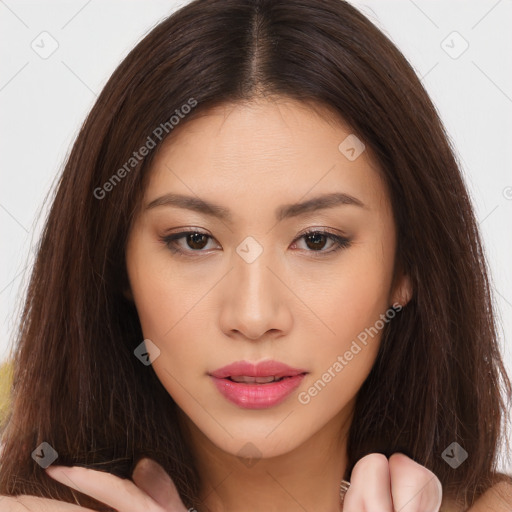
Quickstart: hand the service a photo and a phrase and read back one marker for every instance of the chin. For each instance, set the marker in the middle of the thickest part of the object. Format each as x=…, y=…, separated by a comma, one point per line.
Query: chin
x=257, y=441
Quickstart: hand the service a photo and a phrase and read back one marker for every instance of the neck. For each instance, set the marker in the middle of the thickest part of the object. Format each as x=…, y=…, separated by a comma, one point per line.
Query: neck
x=306, y=478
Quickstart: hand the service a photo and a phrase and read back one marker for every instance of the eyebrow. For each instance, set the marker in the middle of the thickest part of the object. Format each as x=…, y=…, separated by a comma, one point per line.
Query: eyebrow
x=283, y=212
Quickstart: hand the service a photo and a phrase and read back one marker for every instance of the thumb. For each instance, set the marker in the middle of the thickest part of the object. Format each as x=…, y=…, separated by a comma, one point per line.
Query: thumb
x=150, y=477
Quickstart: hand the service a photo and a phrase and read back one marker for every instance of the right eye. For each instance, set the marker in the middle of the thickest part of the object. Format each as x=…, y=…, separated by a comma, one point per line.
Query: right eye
x=195, y=240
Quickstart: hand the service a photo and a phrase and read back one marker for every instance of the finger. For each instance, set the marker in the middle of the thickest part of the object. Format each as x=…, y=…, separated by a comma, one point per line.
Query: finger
x=414, y=488
x=151, y=478
x=369, y=486
x=26, y=503
x=119, y=493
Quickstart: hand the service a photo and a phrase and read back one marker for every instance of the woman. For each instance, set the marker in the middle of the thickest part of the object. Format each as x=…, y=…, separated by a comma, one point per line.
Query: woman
x=262, y=272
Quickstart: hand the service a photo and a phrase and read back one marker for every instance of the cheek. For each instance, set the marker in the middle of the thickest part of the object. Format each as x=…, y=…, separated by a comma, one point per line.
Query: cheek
x=154, y=302
x=162, y=294
x=174, y=325
x=355, y=293
x=352, y=303
x=169, y=312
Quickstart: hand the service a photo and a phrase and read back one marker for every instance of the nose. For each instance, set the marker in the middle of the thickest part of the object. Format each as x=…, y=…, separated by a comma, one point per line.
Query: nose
x=256, y=303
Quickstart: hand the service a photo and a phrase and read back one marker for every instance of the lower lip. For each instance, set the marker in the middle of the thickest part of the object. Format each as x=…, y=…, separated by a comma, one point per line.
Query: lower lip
x=257, y=396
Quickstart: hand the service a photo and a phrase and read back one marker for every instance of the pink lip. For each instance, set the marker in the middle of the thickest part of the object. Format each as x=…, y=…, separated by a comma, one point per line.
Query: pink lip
x=257, y=396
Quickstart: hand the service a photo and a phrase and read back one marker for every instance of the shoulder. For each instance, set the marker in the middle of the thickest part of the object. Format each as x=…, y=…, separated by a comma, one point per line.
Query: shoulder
x=497, y=498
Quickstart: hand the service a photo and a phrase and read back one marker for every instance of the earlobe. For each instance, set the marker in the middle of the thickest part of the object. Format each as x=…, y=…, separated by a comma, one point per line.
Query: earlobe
x=403, y=291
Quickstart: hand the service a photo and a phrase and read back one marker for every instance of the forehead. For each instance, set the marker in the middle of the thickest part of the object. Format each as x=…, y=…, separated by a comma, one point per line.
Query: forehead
x=265, y=151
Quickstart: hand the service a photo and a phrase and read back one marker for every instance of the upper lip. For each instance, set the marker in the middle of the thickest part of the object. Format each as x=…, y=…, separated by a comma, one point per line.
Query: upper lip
x=261, y=369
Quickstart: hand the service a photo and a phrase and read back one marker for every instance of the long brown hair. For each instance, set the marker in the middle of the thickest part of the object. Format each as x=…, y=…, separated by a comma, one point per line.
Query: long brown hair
x=438, y=378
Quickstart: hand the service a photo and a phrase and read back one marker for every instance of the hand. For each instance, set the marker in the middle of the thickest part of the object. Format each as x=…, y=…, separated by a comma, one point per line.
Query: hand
x=376, y=485
x=397, y=484
x=26, y=503
x=151, y=490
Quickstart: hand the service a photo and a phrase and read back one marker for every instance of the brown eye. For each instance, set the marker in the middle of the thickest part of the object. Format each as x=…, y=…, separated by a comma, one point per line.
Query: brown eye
x=316, y=241
x=186, y=242
x=197, y=240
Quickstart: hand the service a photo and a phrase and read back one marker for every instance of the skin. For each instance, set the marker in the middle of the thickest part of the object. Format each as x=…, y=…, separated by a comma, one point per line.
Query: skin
x=206, y=310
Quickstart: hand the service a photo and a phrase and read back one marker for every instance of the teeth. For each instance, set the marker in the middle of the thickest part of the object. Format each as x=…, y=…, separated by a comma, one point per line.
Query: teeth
x=254, y=380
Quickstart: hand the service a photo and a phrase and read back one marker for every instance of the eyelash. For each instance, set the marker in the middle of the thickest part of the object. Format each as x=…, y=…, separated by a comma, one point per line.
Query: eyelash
x=339, y=242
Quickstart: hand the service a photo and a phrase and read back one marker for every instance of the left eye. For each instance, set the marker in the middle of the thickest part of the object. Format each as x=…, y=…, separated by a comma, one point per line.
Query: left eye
x=316, y=240
x=196, y=241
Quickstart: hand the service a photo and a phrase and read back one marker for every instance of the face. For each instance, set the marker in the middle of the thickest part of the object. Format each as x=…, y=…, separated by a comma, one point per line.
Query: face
x=225, y=267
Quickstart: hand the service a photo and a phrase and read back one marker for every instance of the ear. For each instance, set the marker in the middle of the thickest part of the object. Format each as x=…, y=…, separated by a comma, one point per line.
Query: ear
x=402, y=290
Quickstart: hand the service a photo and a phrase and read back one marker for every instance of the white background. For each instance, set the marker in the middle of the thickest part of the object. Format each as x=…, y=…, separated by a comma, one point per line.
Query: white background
x=44, y=101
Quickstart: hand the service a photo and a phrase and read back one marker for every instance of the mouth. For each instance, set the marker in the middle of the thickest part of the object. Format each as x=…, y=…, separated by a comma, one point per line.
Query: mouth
x=245, y=379
x=268, y=370
x=257, y=386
